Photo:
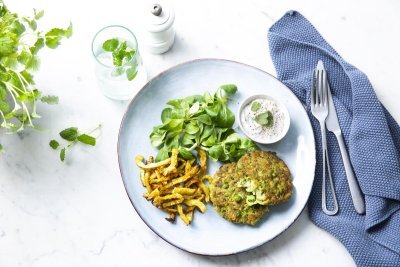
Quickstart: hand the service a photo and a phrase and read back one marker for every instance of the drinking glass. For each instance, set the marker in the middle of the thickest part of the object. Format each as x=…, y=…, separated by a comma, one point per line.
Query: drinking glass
x=121, y=80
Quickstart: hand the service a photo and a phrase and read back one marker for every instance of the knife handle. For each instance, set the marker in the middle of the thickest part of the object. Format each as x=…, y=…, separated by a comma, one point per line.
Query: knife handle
x=355, y=191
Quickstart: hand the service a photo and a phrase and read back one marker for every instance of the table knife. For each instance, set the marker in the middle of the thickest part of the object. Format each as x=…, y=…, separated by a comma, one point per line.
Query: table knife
x=332, y=124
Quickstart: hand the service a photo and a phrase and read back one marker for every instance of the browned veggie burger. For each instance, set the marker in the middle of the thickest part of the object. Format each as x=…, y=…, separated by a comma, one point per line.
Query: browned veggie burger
x=242, y=192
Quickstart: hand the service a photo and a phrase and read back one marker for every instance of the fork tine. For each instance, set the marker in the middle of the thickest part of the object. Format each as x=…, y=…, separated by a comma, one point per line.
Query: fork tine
x=313, y=88
x=324, y=89
x=320, y=84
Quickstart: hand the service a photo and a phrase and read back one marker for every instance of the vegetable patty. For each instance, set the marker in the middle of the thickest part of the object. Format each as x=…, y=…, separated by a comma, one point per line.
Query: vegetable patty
x=242, y=192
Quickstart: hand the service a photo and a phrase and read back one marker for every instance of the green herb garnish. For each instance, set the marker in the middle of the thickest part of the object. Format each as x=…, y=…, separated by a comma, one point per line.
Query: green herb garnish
x=202, y=121
x=264, y=119
x=255, y=106
x=20, y=42
x=73, y=136
x=122, y=55
x=110, y=45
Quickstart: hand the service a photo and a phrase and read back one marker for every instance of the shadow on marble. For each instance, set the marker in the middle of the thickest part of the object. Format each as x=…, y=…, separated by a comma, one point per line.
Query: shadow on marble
x=264, y=252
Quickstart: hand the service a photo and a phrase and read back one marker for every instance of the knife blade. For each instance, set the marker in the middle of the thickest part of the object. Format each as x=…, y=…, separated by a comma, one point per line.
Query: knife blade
x=332, y=124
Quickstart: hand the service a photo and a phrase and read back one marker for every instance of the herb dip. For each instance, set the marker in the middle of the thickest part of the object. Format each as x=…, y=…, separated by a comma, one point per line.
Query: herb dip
x=262, y=120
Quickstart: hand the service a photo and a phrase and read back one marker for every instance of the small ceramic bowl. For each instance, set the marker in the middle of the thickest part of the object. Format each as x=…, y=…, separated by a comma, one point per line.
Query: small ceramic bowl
x=281, y=106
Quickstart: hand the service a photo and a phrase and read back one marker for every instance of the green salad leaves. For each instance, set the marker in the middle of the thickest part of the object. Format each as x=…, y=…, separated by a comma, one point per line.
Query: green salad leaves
x=203, y=121
x=20, y=42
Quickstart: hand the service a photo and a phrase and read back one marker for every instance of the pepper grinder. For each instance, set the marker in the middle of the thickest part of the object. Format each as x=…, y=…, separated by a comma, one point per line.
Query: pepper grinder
x=159, y=35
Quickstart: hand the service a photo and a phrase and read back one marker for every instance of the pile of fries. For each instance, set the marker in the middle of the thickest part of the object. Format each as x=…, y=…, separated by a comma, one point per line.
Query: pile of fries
x=176, y=185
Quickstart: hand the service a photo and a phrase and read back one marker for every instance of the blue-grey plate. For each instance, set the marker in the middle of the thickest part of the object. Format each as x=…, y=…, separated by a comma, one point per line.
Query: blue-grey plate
x=209, y=233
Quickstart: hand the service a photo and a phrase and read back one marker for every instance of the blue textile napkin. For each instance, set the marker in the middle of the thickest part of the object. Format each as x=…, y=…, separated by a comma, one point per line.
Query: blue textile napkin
x=371, y=134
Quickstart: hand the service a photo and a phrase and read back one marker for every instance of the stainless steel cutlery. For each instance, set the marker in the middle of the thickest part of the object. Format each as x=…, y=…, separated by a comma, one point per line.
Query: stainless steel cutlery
x=320, y=110
x=323, y=108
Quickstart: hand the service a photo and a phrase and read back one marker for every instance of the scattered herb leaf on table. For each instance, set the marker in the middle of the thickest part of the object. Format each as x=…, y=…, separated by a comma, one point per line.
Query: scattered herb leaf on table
x=73, y=136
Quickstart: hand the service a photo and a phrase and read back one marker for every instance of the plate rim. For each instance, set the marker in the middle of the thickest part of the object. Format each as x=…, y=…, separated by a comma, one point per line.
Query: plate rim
x=122, y=175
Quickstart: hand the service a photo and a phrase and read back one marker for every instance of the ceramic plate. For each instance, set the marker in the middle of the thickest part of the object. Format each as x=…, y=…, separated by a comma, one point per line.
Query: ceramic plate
x=209, y=233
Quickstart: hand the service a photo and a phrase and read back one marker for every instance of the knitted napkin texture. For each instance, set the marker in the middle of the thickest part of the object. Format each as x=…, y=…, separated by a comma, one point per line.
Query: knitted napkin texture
x=371, y=135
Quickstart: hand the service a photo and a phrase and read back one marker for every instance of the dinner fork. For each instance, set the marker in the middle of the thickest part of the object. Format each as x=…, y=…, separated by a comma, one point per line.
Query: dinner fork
x=319, y=108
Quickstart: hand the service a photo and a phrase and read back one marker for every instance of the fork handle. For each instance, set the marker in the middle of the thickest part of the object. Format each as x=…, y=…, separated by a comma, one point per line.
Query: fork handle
x=325, y=159
x=355, y=191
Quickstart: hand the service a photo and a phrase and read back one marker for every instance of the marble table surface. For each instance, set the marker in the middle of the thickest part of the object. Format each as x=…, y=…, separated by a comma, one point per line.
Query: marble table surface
x=77, y=213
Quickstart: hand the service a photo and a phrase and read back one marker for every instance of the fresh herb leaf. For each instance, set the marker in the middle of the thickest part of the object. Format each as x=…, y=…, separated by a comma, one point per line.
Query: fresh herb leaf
x=204, y=118
x=225, y=118
x=24, y=57
x=166, y=114
x=185, y=153
x=33, y=63
x=3, y=92
x=73, y=136
x=216, y=152
x=8, y=43
x=172, y=140
x=255, y=106
x=176, y=103
x=62, y=154
x=187, y=140
x=232, y=139
x=38, y=15
x=194, y=108
x=54, y=36
x=110, y=45
x=50, y=99
x=39, y=44
x=174, y=124
x=69, y=134
x=157, y=137
x=20, y=42
x=54, y=144
x=122, y=56
x=4, y=106
x=230, y=89
x=87, y=139
x=17, y=27
x=192, y=128
x=264, y=119
x=161, y=155
x=131, y=73
x=207, y=131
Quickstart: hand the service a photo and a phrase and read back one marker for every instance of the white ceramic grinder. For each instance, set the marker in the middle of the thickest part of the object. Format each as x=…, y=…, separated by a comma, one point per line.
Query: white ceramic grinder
x=159, y=36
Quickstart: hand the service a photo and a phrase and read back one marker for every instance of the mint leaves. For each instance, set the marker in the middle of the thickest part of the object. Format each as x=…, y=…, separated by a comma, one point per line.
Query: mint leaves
x=255, y=106
x=69, y=134
x=202, y=121
x=122, y=54
x=20, y=43
x=265, y=119
x=73, y=136
x=86, y=139
x=54, y=144
x=54, y=36
x=110, y=45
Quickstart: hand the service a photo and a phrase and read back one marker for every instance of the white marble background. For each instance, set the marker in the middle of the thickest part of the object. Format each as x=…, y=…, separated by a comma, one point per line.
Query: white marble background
x=77, y=213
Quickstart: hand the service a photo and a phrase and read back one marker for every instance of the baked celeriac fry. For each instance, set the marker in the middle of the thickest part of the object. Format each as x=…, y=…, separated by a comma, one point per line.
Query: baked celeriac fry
x=176, y=185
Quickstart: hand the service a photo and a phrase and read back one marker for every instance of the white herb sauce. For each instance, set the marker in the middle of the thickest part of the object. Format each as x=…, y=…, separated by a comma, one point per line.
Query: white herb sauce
x=257, y=131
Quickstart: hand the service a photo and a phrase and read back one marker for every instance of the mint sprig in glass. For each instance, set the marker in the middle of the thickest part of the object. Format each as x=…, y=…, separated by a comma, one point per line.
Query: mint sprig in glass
x=119, y=67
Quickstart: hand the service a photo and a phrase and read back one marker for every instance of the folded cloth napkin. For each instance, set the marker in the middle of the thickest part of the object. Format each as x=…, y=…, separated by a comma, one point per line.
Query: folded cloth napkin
x=371, y=134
